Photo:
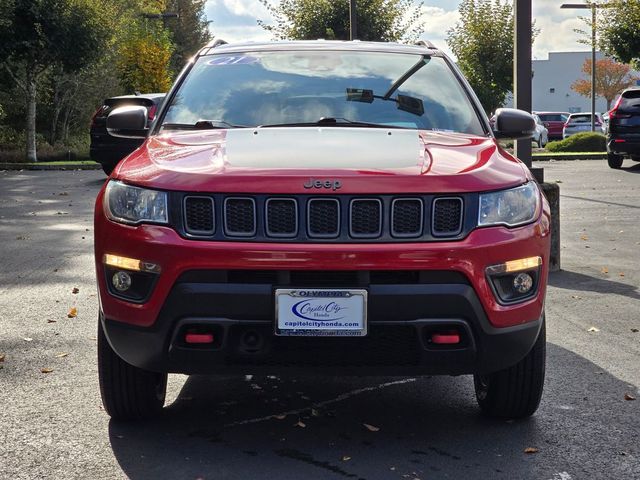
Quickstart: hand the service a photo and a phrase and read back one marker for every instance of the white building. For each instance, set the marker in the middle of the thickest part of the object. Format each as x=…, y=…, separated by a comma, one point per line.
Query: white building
x=552, y=81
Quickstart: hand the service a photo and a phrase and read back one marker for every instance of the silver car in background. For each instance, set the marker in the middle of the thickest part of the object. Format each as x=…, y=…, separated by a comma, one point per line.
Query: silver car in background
x=581, y=122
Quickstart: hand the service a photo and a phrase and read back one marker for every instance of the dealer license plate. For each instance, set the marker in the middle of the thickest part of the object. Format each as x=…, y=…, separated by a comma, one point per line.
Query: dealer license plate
x=321, y=312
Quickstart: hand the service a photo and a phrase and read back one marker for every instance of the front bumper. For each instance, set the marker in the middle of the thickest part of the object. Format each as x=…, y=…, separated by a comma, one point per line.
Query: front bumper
x=451, y=292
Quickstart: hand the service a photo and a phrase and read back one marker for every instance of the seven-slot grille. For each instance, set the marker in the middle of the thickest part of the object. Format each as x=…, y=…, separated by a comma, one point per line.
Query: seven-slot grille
x=304, y=218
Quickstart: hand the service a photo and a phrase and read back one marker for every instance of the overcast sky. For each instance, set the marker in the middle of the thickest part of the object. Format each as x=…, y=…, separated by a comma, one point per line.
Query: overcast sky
x=235, y=20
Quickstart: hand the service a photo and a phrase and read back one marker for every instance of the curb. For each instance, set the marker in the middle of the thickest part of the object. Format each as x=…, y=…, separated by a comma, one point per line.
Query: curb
x=549, y=156
x=61, y=166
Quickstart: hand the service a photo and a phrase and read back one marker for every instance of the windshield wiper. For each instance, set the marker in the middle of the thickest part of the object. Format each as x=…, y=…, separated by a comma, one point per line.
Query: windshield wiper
x=331, y=121
x=202, y=125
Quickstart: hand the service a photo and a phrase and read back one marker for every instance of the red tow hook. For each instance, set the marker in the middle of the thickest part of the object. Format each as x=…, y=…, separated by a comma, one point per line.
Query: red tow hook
x=447, y=338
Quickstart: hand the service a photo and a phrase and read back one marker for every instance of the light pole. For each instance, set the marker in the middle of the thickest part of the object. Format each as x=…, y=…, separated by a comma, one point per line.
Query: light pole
x=353, y=20
x=594, y=8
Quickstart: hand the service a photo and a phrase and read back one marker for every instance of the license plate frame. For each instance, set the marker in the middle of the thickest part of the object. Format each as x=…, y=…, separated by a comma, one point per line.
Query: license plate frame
x=321, y=312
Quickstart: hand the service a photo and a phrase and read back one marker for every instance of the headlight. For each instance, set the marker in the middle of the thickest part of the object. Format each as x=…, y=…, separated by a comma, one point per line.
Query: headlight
x=127, y=204
x=512, y=207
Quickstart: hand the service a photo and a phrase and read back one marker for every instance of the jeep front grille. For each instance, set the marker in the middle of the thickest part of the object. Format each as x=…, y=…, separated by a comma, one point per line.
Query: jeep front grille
x=339, y=218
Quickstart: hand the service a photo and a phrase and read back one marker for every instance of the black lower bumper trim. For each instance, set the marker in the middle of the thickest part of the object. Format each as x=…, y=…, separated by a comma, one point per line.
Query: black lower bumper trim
x=398, y=340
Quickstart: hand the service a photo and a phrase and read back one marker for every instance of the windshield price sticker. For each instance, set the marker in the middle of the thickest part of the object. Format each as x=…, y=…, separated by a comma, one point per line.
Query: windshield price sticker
x=321, y=312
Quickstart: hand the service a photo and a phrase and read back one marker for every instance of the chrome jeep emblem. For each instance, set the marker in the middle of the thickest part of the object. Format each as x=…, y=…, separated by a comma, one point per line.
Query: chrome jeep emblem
x=332, y=184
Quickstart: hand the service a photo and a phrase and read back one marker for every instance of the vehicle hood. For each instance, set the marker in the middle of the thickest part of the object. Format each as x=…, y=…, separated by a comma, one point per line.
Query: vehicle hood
x=282, y=160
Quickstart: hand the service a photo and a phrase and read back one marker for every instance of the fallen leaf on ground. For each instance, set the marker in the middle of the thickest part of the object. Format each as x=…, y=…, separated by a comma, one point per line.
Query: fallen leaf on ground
x=280, y=417
x=628, y=396
x=63, y=194
x=73, y=312
x=593, y=329
x=621, y=274
x=300, y=424
x=28, y=339
x=371, y=428
x=46, y=370
x=51, y=321
x=22, y=237
x=605, y=270
x=530, y=450
x=584, y=237
x=62, y=355
x=75, y=290
x=346, y=459
x=635, y=330
x=315, y=413
x=2, y=355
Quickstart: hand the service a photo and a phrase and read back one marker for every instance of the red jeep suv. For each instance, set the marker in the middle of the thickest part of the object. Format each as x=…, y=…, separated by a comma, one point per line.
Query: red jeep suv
x=321, y=207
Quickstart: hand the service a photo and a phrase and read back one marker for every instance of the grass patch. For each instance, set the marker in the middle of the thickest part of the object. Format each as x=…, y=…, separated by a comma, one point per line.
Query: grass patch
x=580, y=142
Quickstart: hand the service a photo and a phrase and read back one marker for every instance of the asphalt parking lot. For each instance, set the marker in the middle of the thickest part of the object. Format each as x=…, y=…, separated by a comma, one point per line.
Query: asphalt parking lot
x=52, y=424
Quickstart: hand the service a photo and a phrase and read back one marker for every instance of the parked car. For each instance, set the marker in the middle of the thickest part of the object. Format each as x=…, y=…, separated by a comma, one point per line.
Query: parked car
x=317, y=207
x=581, y=122
x=623, y=136
x=541, y=137
x=554, y=122
x=108, y=150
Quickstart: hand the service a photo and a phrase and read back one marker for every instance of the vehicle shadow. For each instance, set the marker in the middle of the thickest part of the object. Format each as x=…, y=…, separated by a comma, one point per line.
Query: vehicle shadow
x=577, y=281
x=380, y=428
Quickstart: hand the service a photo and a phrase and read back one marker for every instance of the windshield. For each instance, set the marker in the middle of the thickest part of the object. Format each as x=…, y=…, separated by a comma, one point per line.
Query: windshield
x=300, y=87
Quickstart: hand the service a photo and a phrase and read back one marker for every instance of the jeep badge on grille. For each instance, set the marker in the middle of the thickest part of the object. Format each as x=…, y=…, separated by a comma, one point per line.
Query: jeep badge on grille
x=333, y=184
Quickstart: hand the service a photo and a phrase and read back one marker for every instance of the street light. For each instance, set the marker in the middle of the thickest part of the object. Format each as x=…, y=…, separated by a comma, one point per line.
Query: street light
x=353, y=20
x=593, y=7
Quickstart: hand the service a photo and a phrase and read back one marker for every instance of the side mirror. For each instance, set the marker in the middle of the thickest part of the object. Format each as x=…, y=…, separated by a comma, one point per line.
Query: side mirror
x=128, y=122
x=512, y=124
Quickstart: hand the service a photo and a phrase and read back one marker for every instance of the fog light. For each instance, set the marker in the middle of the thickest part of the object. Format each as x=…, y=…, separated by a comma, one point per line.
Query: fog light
x=522, y=283
x=121, y=281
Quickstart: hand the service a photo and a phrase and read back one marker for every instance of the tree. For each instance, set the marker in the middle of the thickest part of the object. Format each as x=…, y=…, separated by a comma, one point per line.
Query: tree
x=483, y=42
x=619, y=31
x=378, y=20
x=143, y=61
x=36, y=35
x=611, y=78
x=189, y=32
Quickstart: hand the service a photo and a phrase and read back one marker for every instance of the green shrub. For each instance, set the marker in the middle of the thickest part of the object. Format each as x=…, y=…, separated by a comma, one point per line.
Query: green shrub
x=580, y=142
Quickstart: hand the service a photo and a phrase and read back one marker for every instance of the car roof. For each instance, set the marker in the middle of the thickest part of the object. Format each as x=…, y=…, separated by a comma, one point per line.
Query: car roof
x=150, y=96
x=552, y=113
x=352, y=45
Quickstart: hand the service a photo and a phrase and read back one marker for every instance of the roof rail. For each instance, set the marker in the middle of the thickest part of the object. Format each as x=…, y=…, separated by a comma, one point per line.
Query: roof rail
x=216, y=42
x=426, y=43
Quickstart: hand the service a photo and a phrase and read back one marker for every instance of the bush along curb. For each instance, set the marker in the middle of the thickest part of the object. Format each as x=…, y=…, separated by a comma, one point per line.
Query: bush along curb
x=60, y=166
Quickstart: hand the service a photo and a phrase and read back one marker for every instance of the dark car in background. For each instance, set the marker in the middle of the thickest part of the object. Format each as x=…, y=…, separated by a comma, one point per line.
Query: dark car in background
x=108, y=150
x=554, y=122
x=623, y=135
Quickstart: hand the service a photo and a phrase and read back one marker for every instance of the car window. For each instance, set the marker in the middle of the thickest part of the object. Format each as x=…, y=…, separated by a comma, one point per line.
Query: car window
x=630, y=101
x=580, y=119
x=553, y=117
x=266, y=88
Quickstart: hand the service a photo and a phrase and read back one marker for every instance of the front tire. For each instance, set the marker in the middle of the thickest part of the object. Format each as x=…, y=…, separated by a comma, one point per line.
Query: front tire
x=614, y=160
x=128, y=392
x=514, y=392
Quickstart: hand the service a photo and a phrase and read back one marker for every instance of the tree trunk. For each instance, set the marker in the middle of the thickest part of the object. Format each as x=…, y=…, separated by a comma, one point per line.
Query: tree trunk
x=31, y=91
